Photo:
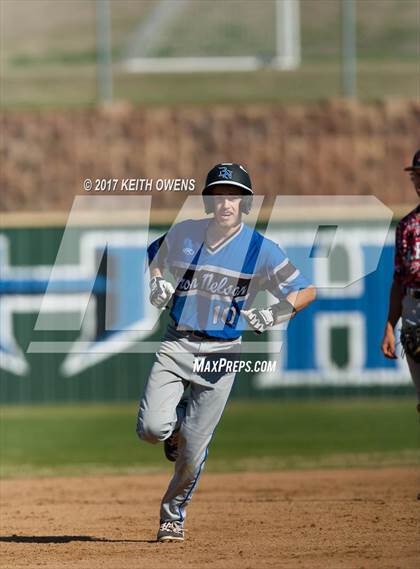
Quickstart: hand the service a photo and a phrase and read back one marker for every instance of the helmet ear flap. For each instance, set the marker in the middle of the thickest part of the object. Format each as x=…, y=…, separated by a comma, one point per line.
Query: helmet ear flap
x=246, y=204
x=208, y=204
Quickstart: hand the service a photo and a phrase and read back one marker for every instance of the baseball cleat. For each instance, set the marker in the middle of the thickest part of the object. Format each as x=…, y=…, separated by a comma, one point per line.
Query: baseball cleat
x=170, y=531
x=171, y=443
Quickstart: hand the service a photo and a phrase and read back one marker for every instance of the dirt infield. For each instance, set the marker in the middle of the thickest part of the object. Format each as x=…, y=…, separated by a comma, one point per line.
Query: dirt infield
x=358, y=519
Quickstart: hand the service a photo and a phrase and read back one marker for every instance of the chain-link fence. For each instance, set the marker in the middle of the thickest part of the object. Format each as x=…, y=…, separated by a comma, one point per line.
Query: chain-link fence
x=49, y=50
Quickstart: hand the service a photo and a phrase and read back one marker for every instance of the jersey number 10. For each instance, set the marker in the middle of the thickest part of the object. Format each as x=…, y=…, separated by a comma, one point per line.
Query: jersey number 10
x=227, y=315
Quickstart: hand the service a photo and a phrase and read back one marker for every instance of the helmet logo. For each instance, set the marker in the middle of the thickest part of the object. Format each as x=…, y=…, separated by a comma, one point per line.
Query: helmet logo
x=225, y=173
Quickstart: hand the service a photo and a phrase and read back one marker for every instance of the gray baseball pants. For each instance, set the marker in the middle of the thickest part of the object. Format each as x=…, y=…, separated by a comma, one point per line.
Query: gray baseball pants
x=171, y=374
x=411, y=314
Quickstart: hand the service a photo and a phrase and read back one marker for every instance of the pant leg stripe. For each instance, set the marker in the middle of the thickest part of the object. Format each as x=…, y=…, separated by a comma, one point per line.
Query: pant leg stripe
x=194, y=483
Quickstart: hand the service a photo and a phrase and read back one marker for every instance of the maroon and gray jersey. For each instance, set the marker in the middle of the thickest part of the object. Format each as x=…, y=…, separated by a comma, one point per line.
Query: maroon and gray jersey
x=407, y=250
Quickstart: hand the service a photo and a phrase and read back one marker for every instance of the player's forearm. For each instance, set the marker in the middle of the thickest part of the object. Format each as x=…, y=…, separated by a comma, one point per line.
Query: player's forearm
x=395, y=304
x=287, y=309
x=155, y=272
x=302, y=298
x=157, y=253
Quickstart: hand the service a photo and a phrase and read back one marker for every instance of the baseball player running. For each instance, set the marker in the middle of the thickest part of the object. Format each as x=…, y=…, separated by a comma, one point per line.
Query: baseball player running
x=405, y=290
x=218, y=265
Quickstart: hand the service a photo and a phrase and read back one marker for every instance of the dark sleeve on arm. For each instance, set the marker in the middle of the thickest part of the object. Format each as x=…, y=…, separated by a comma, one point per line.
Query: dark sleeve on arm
x=281, y=276
x=399, y=251
x=157, y=252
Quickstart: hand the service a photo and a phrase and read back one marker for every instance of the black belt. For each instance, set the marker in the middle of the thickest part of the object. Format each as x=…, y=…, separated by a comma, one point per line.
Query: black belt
x=414, y=292
x=202, y=335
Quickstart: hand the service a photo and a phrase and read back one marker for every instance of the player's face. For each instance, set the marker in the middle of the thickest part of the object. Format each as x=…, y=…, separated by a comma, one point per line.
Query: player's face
x=415, y=178
x=227, y=206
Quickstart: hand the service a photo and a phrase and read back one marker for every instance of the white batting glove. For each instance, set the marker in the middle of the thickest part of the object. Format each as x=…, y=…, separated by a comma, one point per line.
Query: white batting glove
x=259, y=319
x=161, y=292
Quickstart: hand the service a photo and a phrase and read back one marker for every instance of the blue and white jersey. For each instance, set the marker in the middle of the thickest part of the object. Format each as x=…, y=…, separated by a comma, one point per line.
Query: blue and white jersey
x=214, y=284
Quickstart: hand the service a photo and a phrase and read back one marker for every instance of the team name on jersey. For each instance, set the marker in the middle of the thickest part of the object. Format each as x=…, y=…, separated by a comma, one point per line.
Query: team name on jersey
x=213, y=283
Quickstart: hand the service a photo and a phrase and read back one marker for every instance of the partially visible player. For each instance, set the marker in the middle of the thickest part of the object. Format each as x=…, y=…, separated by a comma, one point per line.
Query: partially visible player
x=218, y=265
x=405, y=291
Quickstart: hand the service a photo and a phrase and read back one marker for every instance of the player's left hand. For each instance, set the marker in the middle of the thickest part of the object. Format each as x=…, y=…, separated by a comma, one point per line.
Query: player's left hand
x=259, y=319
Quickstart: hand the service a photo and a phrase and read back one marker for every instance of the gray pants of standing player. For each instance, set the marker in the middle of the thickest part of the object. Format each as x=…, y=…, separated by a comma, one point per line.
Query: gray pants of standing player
x=171, y=373
x=411, y=315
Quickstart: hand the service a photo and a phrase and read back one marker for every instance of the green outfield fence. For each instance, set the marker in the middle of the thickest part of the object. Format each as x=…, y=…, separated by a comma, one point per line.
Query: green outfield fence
x=118, y=378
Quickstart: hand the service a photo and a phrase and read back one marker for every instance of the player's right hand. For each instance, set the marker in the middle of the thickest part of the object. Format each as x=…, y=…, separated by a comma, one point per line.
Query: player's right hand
x=388, y=344
x=161, y=292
